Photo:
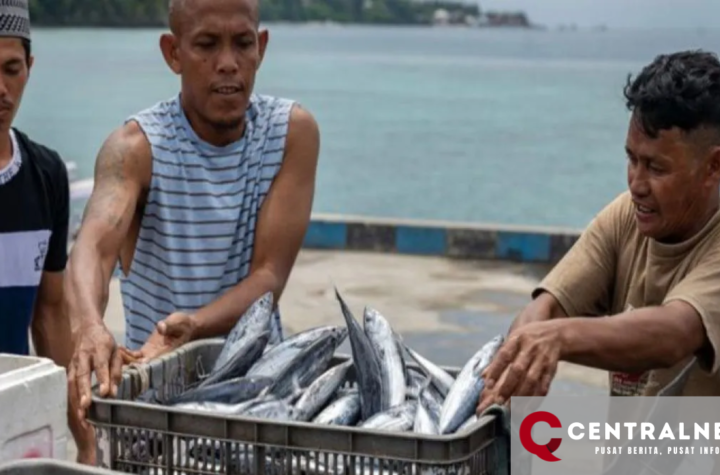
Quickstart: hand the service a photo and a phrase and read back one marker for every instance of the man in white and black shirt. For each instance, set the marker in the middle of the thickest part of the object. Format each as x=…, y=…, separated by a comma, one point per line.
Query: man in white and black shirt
x=34, y=215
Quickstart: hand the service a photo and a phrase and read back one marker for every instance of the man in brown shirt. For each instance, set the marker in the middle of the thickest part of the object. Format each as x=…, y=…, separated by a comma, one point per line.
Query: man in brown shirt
x=642, y=283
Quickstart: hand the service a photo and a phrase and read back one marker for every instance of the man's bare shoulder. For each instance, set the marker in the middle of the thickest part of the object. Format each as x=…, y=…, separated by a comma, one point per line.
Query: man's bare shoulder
x=133, y=135
x=129, y=139
x=301, y=116
x=303, y=129
x=125, y=155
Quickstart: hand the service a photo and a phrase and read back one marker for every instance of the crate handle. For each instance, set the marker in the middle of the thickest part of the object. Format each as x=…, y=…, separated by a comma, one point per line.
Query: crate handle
x=143, y=375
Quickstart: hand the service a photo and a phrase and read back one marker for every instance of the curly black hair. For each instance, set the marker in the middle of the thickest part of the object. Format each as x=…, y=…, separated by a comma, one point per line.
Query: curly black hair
x=676, y=90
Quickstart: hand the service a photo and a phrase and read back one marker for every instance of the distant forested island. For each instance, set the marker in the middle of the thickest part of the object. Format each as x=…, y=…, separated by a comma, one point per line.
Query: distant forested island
x=153, y=13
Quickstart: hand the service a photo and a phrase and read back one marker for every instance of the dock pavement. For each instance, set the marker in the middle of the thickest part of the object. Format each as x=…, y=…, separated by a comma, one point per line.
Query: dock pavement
x=443, y=308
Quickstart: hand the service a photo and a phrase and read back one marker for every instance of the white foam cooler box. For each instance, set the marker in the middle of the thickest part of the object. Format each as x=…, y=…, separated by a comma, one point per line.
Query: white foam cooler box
x=33, y=408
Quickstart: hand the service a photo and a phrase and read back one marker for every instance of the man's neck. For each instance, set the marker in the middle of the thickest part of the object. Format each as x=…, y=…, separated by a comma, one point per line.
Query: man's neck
x=6, y=150
x=218, y=137
x=709, y=210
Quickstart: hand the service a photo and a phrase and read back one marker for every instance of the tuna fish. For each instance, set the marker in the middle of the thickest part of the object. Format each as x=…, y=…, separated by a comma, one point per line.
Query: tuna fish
x=441, y=378
x=254, y=321
x=399, y=418
x=401, y=351
x=240, y=361
x=272, y=409
x=343, y=411
x=231, y=391
x=427, y=417
x=316, y=396
x=307, y=365
x=462, y=399
x=392, y=369
x=415, y=383
x=275, y=359
x=367, y=364
x=424, y=423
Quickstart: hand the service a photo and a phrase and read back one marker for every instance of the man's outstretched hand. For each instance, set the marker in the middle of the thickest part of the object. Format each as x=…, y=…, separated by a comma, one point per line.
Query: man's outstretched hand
x=524, y=366
x=95, y=352
x=170, y=334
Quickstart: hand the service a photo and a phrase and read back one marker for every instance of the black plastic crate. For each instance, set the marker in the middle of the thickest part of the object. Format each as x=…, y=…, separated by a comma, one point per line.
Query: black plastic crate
x=135, y=435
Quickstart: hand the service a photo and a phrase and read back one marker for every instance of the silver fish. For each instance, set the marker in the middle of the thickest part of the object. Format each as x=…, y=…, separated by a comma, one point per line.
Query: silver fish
x=424, y=424
x=441, y=378
x=221, y=408
x=274, y=360
x=417, y=370
x=462, y=399
x=272, y=409
x=240, y=361
x=344, y=411
x=344, y=391
x=432, y=392
x=367, y=363
x=307, y=365
x=231, y=391
x=399, y=418
x=398, y=342
x=392, y=372
x=415, y=383
x=255, y=320
x=321, y=390
x=427, y=417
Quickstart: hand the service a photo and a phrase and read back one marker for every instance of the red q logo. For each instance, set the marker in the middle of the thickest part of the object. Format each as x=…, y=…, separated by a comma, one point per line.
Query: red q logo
x=545, y=452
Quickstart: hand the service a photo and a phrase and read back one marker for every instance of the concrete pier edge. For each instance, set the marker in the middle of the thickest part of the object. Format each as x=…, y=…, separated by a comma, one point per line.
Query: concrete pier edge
x=532, y=244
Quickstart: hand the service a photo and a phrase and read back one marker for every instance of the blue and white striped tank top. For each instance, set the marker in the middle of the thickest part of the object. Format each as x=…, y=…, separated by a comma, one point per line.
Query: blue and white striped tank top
x=196, y=234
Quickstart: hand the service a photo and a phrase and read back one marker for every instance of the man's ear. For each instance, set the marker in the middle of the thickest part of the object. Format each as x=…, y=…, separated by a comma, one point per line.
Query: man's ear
x=711, y=169
x=713, y=163
x=31, y=61
x=169, y=48
x=263, y=38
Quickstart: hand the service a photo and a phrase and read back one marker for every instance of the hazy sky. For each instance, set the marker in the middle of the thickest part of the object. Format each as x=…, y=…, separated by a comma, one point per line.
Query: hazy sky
x=616, y=13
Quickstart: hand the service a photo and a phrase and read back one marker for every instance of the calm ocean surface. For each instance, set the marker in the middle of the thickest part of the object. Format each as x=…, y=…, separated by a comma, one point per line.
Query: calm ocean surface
x=517, y=127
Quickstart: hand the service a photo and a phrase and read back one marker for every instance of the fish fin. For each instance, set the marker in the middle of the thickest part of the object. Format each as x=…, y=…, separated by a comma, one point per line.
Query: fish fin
x=343, y=305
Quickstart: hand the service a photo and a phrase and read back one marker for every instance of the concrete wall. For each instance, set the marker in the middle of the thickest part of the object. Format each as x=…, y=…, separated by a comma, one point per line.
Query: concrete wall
x=457, y=240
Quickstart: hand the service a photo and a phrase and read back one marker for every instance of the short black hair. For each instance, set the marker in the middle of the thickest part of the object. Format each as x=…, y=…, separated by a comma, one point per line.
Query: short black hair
x=676, y=90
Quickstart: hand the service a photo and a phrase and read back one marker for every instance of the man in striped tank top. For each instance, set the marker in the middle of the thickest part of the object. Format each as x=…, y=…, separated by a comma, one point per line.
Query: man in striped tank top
x=203, y=200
